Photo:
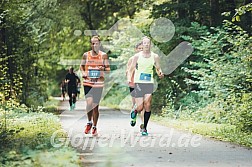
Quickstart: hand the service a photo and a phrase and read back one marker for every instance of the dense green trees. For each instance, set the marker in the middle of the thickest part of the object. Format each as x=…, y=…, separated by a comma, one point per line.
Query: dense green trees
x=214, y=84
x=36, y=35
x=24, y=30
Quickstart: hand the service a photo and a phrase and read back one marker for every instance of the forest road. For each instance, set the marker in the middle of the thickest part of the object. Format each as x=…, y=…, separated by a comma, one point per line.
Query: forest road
x=120, y=145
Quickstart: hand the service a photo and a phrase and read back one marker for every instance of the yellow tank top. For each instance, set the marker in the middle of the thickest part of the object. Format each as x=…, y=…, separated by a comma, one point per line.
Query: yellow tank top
x=144, y=69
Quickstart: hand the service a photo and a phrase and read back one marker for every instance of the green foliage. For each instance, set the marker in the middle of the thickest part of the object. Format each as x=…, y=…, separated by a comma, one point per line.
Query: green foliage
x=234, y=135
x=210, y=113
x=241, y=114
x=25, y=134
x=22, y=34
x=222, y=73
x=241, y=11
x=115, y=96
x=224, y=132
x=51, y=106
x=39, y=38
x=182, y=11
x=52, y=157
x=28, y=128
x=214, y=83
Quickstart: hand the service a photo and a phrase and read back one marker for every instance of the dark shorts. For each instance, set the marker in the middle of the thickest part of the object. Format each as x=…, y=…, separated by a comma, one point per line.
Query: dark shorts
x=132, y=91
x=93, y=92
x=63, y=91
x=142, y=89
x=71, y=90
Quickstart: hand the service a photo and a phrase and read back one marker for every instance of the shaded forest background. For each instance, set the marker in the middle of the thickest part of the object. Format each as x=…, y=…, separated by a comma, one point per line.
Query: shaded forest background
x=209, y=94
x=213, y=85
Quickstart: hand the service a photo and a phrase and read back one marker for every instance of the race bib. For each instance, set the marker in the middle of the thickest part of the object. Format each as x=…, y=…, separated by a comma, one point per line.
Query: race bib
x=94, y=73
x=145, y=77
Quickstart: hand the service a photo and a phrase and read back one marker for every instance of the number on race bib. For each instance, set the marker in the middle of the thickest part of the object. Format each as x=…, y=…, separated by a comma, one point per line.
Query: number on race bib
x=94, y=73
x=145, y=77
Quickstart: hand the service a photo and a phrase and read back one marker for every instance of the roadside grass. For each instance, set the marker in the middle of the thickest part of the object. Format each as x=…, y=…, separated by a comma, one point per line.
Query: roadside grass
x=51, y=106
x=222, y=132
x=26, y=138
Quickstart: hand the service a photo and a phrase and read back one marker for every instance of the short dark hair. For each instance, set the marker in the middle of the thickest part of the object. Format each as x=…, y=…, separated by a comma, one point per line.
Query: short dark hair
x=138, y=44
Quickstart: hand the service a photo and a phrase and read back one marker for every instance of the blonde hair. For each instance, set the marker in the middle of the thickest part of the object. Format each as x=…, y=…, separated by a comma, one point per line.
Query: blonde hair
x=145, y=37
x=95, y=37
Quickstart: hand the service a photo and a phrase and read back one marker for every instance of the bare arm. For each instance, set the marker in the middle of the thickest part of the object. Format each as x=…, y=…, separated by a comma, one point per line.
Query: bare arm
x=106, y=66
x=82, y=65
x=158, y=68
x=131, y=68
x=128, y=65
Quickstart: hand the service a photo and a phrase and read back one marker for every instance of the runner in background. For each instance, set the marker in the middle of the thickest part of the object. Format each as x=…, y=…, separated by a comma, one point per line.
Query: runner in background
x=72, y=80
x=63, y=89
x=138, y=48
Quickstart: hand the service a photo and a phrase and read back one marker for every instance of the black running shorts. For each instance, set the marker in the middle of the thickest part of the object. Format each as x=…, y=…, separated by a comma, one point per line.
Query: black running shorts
x=93, y=92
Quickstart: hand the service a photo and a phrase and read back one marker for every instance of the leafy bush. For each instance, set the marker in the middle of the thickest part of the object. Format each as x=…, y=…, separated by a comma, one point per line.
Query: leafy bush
x=25, y=134
x=115, y=96
x=210, y=113
x=241, y=113
x=223, y=71
x=51, y=109
x=26, y=128
x=30, y=158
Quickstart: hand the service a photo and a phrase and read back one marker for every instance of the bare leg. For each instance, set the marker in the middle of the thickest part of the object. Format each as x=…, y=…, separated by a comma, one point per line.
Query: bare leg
x=141, y=113
x=139, y=103
x=142, y=116
x=147, y=102
x=133, y=101
x=95, y=114
x=89, y=108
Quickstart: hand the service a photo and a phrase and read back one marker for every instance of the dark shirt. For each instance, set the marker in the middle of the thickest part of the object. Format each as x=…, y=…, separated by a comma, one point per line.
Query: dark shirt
x=63, y=86
x=73, y=78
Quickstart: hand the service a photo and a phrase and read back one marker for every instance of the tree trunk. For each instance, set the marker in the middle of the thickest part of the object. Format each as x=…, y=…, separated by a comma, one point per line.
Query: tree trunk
x=247, y=23
x=182, y=11
x=215, y=17
x=87, y=15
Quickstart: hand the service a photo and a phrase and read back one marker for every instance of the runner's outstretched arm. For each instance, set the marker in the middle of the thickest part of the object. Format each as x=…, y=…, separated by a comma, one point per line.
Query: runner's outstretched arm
x=157, y=66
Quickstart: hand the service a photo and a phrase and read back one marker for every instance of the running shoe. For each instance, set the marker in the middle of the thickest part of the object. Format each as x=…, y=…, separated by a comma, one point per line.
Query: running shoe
x=88, y=128
x=133, y=114
x=144, y=133
x=133, y=122
x=94, y=131
x=73, y=106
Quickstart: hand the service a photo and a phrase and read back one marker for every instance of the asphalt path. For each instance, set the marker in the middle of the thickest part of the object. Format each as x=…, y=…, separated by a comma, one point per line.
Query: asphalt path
x=120, y=145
